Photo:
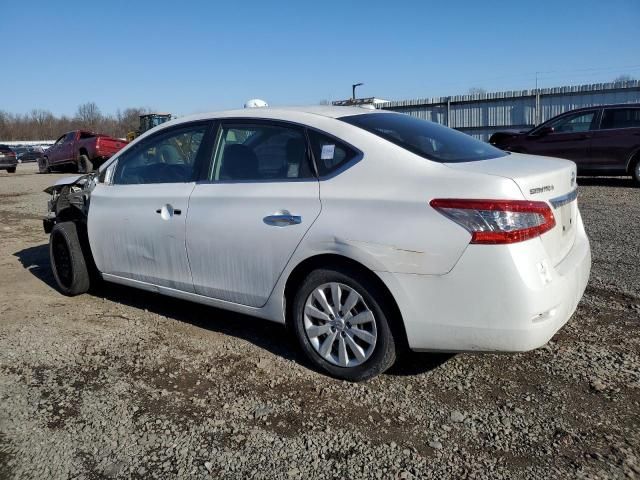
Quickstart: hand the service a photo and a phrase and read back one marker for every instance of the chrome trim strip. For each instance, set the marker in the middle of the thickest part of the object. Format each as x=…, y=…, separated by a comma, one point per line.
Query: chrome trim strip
x=564, y=199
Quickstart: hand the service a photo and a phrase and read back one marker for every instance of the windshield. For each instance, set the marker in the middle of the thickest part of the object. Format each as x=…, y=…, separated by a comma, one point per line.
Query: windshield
x=427, y=139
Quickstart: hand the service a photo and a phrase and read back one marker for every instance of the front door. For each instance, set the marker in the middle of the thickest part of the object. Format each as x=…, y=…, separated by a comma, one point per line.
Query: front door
x=137, y=222
x=246, y=220
x=570, y=138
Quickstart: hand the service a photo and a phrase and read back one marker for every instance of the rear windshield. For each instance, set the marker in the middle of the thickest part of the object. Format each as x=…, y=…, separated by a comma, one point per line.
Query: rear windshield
x=427, y=139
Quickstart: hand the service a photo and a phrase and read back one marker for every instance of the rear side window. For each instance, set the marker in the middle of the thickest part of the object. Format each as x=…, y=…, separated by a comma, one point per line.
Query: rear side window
x=621, y=118
x=427, y=139
x=261, y=152
x=87, y=135
x=329, y=153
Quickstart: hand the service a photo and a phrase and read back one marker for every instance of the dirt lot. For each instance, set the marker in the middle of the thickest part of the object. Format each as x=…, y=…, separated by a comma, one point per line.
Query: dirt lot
x=129, y=384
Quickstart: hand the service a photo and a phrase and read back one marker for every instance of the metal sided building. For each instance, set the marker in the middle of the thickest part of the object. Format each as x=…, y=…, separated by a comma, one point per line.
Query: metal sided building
x=482, y=114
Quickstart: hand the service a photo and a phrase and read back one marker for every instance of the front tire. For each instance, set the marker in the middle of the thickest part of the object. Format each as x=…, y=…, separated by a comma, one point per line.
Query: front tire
x=341, y=321
x=43, y=165
x=11, y=170
x=84, y=164
x=67, y=259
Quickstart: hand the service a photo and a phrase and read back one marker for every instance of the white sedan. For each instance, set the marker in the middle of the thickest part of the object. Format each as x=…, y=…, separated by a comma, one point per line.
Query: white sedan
x=365, y=232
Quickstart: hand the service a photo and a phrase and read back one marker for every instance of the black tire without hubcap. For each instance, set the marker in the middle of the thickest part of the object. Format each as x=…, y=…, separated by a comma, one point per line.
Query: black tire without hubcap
x=342, y=324
x=67, y=259
x=43, y=165
x=84, y=164
x=635, y=173
x=11, y=170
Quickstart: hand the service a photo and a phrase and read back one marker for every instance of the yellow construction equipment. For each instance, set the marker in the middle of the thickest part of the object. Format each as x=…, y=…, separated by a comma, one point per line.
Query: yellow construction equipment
x=147, y=122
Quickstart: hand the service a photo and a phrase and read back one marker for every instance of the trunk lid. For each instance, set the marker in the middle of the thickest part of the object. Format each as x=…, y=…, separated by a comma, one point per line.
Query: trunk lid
x=547, y=179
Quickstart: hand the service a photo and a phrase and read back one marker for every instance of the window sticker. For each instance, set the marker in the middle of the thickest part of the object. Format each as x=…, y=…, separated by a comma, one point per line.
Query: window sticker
x=327, y=152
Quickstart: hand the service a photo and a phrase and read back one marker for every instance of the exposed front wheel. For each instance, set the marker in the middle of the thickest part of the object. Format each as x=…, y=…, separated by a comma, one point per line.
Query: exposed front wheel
x=67, y=259
x=341, y=323
x=11, y=170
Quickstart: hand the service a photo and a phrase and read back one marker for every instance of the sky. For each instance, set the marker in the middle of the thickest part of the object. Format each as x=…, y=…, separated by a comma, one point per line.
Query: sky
x=194, y=56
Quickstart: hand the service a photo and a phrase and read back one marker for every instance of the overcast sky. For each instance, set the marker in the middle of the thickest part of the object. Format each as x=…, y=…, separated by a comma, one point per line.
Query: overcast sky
x=185, y=57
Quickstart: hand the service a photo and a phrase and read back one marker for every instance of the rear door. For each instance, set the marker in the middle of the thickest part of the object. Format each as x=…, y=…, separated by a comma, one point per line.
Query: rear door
x=246, y=220
x=137, y=220
x=570, y=138
x=616, y=140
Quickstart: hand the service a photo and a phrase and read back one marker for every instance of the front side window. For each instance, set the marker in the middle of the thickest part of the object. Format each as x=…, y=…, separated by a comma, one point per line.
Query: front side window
x=165, y=158
x=427, y=139
x=621, y=118
x=260, y=153
x=580, y=122
x=71, y=136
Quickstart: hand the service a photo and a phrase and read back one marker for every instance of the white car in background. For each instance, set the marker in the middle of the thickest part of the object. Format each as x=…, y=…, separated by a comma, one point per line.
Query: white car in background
x=364, y=231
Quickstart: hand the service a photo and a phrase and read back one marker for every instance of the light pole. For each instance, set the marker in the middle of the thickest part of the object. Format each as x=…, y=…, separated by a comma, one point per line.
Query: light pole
x=353, y=90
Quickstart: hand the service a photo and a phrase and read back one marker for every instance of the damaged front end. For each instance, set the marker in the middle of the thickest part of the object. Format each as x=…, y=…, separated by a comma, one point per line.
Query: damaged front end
x=69, y=200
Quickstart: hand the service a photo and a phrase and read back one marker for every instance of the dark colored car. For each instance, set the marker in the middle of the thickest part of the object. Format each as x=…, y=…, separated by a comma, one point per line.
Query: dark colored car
x=601, y=140
x=8, y=160
x=31, y=155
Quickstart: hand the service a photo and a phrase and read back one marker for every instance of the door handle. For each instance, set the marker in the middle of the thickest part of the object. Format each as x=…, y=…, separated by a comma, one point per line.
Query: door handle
x=282, y=218
x=167, y=211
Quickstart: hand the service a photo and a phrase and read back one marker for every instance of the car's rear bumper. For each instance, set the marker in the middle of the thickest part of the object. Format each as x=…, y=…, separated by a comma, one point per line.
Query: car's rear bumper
x=497, y=298
x=8, y=164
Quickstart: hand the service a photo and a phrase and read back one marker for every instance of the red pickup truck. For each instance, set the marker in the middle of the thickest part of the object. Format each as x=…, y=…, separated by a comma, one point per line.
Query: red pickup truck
x=80, y=149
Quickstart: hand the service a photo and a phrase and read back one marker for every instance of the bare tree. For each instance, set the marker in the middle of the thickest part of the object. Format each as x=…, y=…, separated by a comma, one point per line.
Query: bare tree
x=625, y=77
x=89, y=114
x=43, y=125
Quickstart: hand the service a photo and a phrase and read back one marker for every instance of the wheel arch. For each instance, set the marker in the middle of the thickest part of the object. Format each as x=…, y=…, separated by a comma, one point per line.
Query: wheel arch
x=327, y=260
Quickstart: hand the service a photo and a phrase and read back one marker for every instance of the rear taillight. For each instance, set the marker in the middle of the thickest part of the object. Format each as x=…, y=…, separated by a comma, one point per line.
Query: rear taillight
x=497, y=221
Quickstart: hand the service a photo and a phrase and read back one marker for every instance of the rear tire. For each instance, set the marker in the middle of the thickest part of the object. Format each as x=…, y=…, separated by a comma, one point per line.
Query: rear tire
x=371, y=338
x=11, y=170
x=84, y=164
x=67, y=259
x=635, y=171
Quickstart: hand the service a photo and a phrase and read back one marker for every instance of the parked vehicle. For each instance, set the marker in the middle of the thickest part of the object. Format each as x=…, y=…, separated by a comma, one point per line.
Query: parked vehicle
x=364, y=231
x=147, y=122
x=30, y=155
x=81, y=150
x=8, y=160
x=601, y=140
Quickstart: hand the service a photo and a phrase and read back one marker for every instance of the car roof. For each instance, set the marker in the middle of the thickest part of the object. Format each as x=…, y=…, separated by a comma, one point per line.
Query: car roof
x=282, y=113
x=612, y=105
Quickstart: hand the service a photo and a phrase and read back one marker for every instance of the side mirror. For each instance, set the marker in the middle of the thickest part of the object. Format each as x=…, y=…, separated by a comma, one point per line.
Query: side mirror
x=545, y=131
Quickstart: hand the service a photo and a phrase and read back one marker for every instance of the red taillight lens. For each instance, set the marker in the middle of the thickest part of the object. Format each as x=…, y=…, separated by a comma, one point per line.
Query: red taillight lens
x=497, y=221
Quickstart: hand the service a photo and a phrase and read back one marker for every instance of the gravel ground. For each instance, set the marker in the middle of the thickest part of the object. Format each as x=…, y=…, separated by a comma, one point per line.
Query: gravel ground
x=130, y=384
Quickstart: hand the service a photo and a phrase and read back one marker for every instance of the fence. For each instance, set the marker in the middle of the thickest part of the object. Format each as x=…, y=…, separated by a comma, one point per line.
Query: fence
x=482, y=114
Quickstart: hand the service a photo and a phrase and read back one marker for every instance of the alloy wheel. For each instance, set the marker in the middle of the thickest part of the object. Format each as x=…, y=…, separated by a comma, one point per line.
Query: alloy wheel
x=339, y=325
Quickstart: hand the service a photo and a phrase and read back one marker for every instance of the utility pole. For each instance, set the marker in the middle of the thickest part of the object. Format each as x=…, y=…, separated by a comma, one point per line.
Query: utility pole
x=353, y=90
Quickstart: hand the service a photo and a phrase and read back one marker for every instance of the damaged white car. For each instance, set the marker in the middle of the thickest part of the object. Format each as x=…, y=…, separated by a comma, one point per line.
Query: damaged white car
x=365, y=232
